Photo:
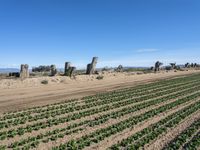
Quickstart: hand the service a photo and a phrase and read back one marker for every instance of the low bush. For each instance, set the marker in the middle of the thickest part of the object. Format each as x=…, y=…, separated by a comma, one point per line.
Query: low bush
x=44, y=82
x=100, y=77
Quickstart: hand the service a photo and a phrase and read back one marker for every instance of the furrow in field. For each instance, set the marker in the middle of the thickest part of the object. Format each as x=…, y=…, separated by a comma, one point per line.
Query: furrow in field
x=15, y=122
x=120, y=127
x=194, y=143
x=123, y=111
x=158, y=84
x=110, y=122
x=67, y=106
x=146, y=106
x=126, y=104
x=92, y=119
x=165, y=139
x=107, y=102
x=114, y=139
x=89, y=118
x=138, y=90
x=152, y=132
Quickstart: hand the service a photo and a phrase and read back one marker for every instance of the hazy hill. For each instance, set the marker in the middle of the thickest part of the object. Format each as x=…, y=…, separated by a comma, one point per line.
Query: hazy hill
x=7, y=70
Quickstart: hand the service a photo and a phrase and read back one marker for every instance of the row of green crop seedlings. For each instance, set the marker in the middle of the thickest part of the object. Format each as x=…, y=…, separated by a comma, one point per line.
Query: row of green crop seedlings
x=109, y=94
x=194, y=143
x=116, y=106
x=53, y=114
x=120, y=101
x=128, y=92
x=42, y=125
x=103, y=102
x=104, y=133
x=139, y=88
x=59, y=133
x=67, y=104
x=141, y=138
x=183, y=140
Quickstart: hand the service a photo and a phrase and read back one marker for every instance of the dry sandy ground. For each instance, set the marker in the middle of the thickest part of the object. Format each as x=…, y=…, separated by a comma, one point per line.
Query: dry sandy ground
x=19, y=94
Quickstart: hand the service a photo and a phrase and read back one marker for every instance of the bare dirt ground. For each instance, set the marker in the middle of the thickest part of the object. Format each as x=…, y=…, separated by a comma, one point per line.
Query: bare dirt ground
x=20, y=94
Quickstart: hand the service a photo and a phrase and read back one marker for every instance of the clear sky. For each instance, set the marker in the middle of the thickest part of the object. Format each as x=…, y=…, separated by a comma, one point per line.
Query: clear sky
x=127, y=32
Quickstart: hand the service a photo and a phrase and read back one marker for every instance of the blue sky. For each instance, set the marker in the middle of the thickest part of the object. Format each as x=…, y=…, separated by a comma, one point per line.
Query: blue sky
x=127, y=32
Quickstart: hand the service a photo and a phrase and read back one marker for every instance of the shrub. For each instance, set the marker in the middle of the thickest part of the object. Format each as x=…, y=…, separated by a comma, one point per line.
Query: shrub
x=44, y=82
x=100, y=77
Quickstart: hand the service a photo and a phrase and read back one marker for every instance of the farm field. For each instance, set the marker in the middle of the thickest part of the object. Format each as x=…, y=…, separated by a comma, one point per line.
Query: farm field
x=163, y=115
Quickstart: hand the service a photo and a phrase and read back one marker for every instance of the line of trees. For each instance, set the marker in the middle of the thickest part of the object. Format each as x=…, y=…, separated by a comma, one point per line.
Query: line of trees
x=41, y=69
x=173, y=66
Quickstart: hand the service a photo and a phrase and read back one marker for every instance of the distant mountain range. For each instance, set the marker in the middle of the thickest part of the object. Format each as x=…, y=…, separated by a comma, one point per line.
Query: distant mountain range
x=7, y=70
